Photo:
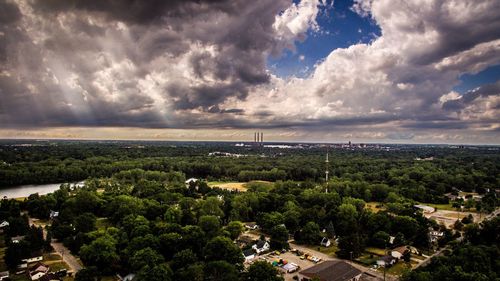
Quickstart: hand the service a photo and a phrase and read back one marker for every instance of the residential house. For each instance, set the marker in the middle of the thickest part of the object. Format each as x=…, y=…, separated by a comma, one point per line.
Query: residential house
x=251, y=226
x=434, y=236
x=38, y=256
x=128, y=277
x=4, y=275
x=38, y=270
x=325, y=242
x=3, y=225
x=399, y=252
x=17, y=239
x=331, y=271
x=261, y=246
x=248, y=254
x=386, y=261
x=53, y=214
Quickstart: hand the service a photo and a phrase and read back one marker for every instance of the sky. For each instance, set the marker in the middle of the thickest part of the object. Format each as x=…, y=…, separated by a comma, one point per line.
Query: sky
x=394, y=71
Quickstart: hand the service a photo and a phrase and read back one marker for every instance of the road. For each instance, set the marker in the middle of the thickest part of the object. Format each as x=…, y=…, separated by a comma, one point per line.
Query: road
x=59, y=248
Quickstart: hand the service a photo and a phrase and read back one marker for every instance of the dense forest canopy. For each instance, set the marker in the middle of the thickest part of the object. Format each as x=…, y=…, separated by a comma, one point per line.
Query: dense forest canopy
x=372, y=171
x=136, y=213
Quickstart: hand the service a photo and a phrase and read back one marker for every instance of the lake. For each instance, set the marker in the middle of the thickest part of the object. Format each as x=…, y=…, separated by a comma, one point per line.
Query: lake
x=27, y=190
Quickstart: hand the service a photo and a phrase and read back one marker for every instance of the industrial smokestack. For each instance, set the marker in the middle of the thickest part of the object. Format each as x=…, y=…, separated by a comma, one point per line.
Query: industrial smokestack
x=261, y=137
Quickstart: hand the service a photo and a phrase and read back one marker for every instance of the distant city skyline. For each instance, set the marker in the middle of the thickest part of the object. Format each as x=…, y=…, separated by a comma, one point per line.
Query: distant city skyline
x=383, y=71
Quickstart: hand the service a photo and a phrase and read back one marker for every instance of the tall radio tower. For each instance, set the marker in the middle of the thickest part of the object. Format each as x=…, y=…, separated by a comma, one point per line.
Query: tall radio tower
x=326, y=171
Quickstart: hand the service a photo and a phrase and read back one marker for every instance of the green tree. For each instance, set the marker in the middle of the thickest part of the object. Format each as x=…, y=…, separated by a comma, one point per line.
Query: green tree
x=87, y=274
x=221, y=271
x=85, y=222
x=101, y=253
x=223, y=248
x=235, y=228
x=154, y=273
x=262, y=271
x=210, y=225
x=279, y=237
x=145, y=257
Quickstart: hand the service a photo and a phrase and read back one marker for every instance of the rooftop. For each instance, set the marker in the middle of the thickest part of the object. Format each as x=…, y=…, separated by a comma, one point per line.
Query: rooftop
x=332, y=271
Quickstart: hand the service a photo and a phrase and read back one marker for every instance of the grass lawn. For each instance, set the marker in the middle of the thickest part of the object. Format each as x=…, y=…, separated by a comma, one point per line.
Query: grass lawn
x=240, y=186
x=367, y=259
x=375, y=251
x=57, y=265
x=51, y=257
x=446, y=207
x=375, y=206
x=21, y=277
x=397, y=269
x=330, y=251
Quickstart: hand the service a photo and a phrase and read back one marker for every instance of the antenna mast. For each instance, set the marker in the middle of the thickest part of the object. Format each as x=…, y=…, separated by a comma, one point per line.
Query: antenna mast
x=326, y=170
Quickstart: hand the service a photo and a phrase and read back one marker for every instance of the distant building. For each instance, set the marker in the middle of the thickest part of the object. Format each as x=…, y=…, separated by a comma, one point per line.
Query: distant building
x=331, y=271
x=4, y=224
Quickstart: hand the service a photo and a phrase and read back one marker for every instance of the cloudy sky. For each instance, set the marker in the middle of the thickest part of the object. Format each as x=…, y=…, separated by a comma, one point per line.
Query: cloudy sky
x=422, y=71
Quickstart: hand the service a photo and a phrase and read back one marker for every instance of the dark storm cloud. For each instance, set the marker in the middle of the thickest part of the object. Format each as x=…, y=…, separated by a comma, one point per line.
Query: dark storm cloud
x=469, y=97
x=81, y=62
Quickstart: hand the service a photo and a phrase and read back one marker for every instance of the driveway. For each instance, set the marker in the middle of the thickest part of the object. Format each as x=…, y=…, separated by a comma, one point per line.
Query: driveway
x=59, y=248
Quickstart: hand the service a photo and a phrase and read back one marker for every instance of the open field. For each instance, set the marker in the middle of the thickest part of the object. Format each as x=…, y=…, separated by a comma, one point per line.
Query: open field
x=448, y=218
x=240, y=186
x=446, y=207
x=375, y=206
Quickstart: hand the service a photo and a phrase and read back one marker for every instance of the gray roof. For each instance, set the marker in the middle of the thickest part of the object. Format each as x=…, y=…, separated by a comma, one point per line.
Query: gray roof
x=332, y=271
x=248, y=252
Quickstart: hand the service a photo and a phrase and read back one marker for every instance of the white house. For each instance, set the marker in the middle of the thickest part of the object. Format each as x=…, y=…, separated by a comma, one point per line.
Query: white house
x=54, y=214
x=251, y=226
x=325, y=242
x=128, y=277
x=4, y=275
x=261, y=246
x=249, y=255
x=386, y=261
x=190, y=180
x=398, y=252
x=4, y=224
x=38, y=270
x=435, y=235
x=33, y=259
